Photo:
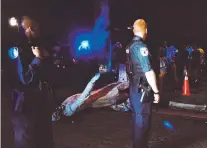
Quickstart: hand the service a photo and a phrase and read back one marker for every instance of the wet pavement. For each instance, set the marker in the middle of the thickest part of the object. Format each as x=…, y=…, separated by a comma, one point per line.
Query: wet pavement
x=105, y=128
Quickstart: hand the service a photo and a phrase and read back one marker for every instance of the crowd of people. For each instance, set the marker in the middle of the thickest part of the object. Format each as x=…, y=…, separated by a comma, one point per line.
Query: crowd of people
x=174, y=61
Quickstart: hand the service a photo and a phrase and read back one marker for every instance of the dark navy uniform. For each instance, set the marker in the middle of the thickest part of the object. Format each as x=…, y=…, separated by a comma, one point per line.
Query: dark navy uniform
x=32, y=121
x=140, y=97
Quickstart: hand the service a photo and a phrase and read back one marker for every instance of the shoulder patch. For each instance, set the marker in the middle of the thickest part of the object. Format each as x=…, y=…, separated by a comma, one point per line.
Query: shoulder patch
x=144, y=51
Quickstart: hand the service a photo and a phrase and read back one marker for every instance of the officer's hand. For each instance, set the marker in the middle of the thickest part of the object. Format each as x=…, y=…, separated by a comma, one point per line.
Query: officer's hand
x=13, y=52
x=156, y=98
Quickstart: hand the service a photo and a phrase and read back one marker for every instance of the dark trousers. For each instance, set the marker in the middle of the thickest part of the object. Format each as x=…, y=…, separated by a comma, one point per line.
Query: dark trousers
x=7, y=135
x=33, y=124
x=141, y=117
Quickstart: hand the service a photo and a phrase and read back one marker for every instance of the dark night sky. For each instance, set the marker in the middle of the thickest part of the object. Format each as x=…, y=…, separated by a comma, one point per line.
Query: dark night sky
x=167, y=19
x=178, y=22
x=186, y=20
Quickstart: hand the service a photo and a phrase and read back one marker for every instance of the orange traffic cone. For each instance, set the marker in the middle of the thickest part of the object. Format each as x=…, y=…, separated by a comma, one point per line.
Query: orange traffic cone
x=186, y=85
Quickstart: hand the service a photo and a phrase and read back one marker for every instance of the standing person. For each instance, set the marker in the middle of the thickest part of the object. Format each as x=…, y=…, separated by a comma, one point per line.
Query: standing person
x=195, y=65
x=163, y=67
x=171, y=53
x=142, y=81
x=32, y=121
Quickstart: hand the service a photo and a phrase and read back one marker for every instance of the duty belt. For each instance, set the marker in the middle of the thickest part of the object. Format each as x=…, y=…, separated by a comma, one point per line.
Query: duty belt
x=144, y=88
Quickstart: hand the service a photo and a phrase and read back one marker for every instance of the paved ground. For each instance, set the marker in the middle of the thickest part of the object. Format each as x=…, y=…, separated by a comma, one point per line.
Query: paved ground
x=198, y=95
x=104, y=128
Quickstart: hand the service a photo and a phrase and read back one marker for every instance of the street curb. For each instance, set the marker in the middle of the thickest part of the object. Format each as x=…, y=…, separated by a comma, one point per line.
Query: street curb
x=182, y=113
x=193, y=107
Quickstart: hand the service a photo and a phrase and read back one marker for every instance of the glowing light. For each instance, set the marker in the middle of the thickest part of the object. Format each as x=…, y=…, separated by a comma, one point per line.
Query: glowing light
x=190, y=49
x=127, y=50
x=168, y=125
x=84, y=45
x=13, y=52
x=13, y=22
x=201, y=50
x=90, y=42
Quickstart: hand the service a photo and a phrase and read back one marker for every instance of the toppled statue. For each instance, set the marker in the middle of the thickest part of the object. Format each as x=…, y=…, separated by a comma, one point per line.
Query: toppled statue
x=114, y=95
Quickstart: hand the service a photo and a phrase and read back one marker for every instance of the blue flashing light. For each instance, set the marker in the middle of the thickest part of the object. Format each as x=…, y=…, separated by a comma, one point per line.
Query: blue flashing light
x=87, y=43
x=13, y=53
x=84, y=45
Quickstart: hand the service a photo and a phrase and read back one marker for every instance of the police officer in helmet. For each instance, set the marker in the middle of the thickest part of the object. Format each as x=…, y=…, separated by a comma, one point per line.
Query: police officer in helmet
x=142, y=84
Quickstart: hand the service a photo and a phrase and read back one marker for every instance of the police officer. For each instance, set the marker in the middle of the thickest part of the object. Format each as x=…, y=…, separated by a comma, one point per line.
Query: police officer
x=142, y=81
x=32, y=120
